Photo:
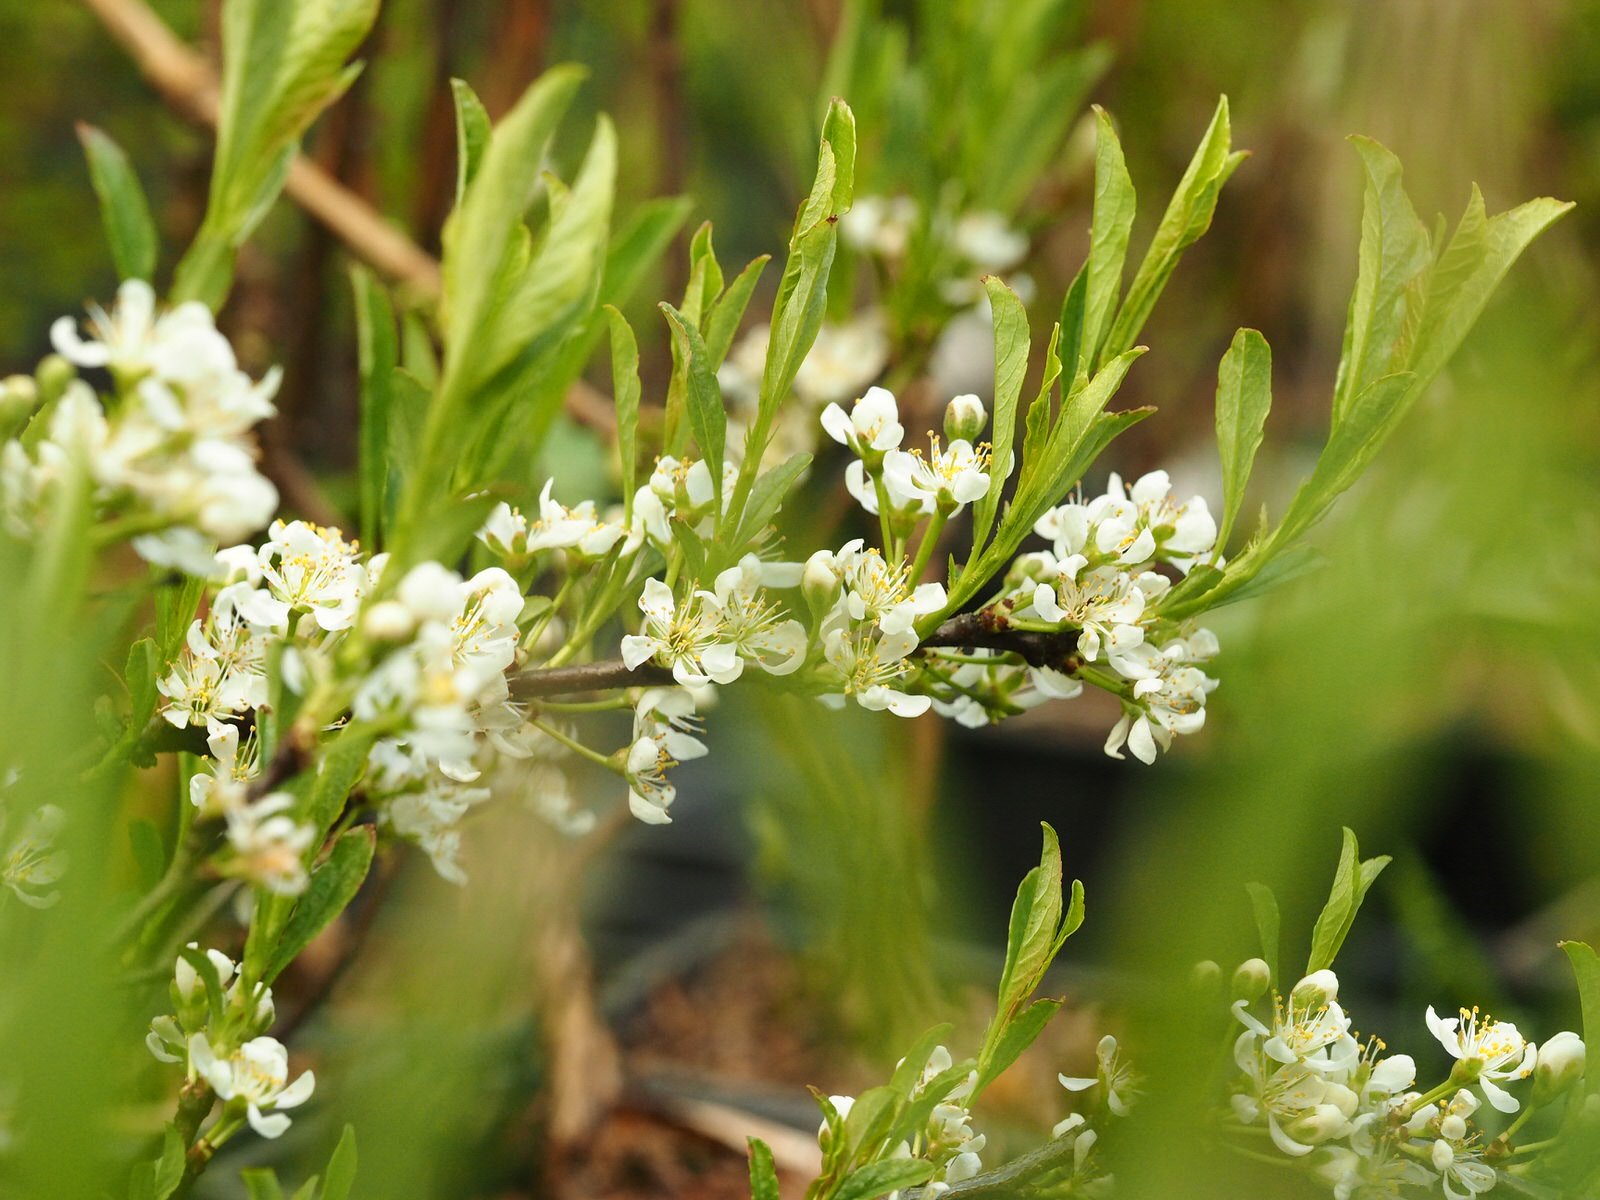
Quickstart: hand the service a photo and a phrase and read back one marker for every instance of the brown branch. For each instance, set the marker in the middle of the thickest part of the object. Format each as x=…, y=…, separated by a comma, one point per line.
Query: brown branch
x=981, y=630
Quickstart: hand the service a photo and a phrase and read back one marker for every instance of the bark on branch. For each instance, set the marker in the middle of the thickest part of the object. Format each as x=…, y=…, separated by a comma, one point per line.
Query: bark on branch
x=981, y=630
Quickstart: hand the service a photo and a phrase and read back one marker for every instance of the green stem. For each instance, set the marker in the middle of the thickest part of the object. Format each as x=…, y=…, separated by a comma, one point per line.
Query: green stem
x=577, y=747
x=925, y=548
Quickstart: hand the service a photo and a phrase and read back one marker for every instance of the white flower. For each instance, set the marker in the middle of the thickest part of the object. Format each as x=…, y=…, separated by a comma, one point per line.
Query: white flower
x=311, y=570
x=222, y=786
x=875, y=591
x=947, y=479
x=1310, y=1028
x=1561, y=1062
x=1103, y=604
x=505, y=531
x=1181, y=533
x=561, y=528
x=1116, y=1079
x=872, y=427
x=870, y=666
x=756, y=626
x=1494, y=1049
x=256, y=1076
x=691, y=638
x=663, y=736
x=429, y=818
x=268, y=845
x=33, y=864
x=132, y=340
x=1463, y=1166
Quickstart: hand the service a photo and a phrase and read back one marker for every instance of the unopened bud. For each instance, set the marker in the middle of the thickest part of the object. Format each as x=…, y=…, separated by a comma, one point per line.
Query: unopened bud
x=1316, y=989
x=1453, y=1127
x=964, y=418
x=1251, y=979
x=1560, y=1065
x=19, y=396
x=1318, y=1124
x=53, y=375
x=820, y=583
x=388, y=621
x=1206, y=977
x=1443, y=1155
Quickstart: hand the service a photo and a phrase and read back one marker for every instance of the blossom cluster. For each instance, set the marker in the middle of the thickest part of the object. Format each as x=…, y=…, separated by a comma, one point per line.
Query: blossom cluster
x=31, y=862
x=423, y=667
x=168, y=451
x=217, y=1032
x=947, y=1140
x=1357, y=1117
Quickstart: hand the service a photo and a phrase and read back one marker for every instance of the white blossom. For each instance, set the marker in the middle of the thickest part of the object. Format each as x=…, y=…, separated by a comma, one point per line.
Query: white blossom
x=1494, y=1049
x=691, y=637
x=256, y=1077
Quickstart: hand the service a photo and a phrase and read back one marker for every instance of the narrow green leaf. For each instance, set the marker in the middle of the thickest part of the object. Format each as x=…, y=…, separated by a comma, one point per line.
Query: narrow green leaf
x=766, y=499
x=880, y=1178
x=1394, y=253
x=377, y=355
x=1018, y=1034
x=169, y=1168
x=1265, y=906
x=1244, y=396
x=763, y=1171
x=705, y=278
x=1114, y=204
x=125, y=212
x=626, y=388
x=473, y=131
x=703, y=397
x=909, y=1070
x=1010, y=366
x=261, y=1183
x=1188, y=216
x=149, y=851
x=728, y=311
x=333, y=885
x=341, y=1175
x=1351, y=881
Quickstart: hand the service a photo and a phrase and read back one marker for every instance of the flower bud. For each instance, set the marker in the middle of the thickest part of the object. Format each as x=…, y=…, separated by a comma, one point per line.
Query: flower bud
x=1453, y=1127
x=820, y=583
x=1319, y=1123
x=1251, y=979
x=1206, y=977
x=388, y=621
x=53, y=375
x=1316, y=989
x=1443, y=1155
x=964, y=418
x=1560, y=1065
x=19, y=396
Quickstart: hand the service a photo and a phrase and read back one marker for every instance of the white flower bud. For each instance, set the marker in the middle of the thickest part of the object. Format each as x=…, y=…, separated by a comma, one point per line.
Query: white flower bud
x=1318, y=1124
x=53, y=374
x=389, y=621
x=1442, y=1155
x=820, y=583
x=1251, y=979
x=1206, y=976
x=1560, y=1065
x=1453, y=1128
x=1316, y=989
x=964, y=418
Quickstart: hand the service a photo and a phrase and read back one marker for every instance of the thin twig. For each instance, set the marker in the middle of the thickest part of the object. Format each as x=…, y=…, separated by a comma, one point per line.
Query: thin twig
x=1003, y=1181
x=981, y=630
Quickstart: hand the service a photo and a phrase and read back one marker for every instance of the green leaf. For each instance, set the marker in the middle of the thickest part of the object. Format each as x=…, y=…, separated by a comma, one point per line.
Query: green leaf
x=1114, y=204
x=283, y=62
x=378, y=354
x=341, y=1174
x=763, y=1171
x=1265, y=906
x=169, y=1168
x=473, y=131
x=881, y=1178
x=125, y=212
x=479, y=237
x=1244, y=395
x=340, y=766
x=1018, y=1034
x=1188, y=216
x=728, y=311
x=261, y=1183
x=1394, y=254
x=625, y=386
x=1351, y=880
x=703, y=398
x=765, y=501
x=705, y=277
x=908, y=1072
x=333, y=885
x=1010, y=366
x=803, y=291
